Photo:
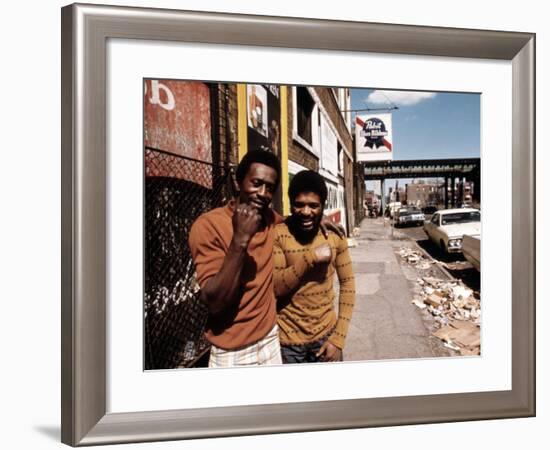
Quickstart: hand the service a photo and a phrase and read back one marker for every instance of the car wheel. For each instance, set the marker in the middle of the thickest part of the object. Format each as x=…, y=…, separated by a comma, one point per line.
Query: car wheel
x=442, y=245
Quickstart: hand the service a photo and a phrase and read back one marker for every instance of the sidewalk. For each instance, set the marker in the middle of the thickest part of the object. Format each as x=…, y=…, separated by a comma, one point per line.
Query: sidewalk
x=385, y=325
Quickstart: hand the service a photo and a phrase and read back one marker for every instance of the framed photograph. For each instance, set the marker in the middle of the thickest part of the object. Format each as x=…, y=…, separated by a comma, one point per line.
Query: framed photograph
x=127, y=71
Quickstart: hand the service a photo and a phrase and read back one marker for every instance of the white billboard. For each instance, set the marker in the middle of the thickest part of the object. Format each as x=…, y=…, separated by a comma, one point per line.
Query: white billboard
x=329, y=148
x=373, y=137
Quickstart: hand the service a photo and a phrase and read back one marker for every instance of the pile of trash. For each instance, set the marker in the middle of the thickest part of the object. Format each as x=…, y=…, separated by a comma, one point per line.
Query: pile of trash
x=456, y=309
x=456, y=265
x=453, y=306
x=415, y=258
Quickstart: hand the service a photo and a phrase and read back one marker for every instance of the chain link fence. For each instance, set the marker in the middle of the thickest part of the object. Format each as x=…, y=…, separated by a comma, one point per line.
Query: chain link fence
x=177, y=191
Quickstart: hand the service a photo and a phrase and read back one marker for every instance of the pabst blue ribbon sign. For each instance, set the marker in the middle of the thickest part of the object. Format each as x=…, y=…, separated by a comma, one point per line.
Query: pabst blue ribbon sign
x=373, y=137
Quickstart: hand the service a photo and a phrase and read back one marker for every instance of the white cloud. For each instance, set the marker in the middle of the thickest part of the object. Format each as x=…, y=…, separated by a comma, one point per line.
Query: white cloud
x=399, y=98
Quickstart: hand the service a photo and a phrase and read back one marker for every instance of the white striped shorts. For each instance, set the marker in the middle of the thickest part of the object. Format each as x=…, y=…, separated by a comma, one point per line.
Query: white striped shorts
x=266, y=351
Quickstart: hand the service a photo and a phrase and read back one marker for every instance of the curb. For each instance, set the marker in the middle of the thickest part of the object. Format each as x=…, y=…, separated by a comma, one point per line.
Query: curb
x=430, y=257
x=424, y=252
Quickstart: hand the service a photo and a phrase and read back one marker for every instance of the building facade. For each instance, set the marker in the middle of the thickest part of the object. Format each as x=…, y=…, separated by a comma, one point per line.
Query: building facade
x=422, y=194
x=195, y=133
x=319, y=138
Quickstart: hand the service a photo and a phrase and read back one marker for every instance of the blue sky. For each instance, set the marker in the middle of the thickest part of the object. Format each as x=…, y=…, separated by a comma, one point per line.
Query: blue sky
x=427, y=125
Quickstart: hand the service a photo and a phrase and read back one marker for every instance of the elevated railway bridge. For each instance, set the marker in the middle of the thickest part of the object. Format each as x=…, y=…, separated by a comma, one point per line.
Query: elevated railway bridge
x=451, y=170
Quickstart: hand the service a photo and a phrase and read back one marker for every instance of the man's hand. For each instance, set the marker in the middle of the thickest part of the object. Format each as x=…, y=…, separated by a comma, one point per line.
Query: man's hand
x=246, y=222
x=327, y=225
x=329, y=352
x=322, y=254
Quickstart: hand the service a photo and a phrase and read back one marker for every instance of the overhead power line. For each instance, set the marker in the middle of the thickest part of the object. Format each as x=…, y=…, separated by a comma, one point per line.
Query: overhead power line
x=371, y=109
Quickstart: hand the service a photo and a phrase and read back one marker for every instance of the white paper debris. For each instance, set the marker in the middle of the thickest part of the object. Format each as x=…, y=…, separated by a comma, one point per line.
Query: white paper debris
x=452, y=305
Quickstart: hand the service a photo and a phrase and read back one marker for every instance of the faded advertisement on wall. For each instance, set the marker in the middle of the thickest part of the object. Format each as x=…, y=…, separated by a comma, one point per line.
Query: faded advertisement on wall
x=177, y=120
x=263, y=112
x=264, y=117
x=373, y=137
x=257, y=116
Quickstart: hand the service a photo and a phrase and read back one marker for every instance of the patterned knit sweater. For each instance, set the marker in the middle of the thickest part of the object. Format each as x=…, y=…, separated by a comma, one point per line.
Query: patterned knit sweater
x=304, y=289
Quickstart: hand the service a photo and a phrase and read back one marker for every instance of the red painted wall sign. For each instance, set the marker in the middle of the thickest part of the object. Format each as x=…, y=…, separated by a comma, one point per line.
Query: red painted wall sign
x=177, y=120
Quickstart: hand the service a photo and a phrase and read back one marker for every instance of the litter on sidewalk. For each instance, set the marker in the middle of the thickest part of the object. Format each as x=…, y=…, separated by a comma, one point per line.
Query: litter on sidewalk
x=352, y=242
x=419, y=303
x=455, y=309
x=415, y=258
x=462, y=336
x=456, y=265
x=452, y=305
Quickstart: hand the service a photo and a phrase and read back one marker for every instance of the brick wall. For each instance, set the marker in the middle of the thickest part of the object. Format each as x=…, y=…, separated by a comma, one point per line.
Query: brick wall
x=296, y=152
x=302, y=156
x=228, y=121
x=349, y=194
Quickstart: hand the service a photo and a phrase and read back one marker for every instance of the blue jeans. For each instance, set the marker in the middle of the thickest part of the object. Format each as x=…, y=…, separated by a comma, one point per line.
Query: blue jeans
x=303, y=353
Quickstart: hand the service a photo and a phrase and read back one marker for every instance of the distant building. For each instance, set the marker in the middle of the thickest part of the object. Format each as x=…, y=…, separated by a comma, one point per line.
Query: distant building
x=371, y=201
x=462, y=193
x=397, y=195
x=423, y=193
x=370, y=198
x=465, y=193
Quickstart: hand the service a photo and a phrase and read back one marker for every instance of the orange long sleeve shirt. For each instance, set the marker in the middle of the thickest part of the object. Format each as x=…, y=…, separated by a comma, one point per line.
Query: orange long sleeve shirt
x=304, y=290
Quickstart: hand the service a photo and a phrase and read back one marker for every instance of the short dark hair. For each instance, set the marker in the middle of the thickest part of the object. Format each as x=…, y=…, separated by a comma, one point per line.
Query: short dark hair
x=308, y=181
x=258, y=156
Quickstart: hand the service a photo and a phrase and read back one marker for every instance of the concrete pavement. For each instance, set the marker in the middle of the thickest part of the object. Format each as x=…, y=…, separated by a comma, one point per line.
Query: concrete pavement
x=385, y=324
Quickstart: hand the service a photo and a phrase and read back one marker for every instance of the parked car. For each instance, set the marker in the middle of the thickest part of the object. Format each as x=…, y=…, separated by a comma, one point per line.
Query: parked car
x=448, y=226
x=409, y=215
x=470, y=249
x=429, y=209
x=392, y=208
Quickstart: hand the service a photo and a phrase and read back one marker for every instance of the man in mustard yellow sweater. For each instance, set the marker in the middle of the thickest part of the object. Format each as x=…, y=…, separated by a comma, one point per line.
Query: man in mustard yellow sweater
x=310, y=330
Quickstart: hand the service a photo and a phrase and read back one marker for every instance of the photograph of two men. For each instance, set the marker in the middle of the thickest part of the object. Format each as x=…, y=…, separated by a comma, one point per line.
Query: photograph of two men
x=309, y=224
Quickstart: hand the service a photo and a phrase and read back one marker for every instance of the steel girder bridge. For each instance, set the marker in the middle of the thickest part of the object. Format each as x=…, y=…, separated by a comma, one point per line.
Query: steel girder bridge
x=452, y=170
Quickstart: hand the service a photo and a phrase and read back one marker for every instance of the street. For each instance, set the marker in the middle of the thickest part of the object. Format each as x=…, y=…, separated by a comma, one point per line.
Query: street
x=455, y=264
x=385, y=323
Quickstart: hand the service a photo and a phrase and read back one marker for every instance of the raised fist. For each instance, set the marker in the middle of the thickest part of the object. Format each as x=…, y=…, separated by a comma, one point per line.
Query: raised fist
x=322, y=254
x=246, y=222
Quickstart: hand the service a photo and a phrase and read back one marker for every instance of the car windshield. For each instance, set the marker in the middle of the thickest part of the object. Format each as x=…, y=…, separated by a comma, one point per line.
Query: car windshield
x=406, y=211
x=460, y=217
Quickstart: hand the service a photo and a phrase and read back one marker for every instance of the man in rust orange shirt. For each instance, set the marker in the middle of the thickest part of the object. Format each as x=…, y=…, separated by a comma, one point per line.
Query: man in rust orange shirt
x=232, y=248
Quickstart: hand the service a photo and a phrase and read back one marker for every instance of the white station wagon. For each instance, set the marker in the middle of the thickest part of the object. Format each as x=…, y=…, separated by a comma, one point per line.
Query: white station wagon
x=448, y=226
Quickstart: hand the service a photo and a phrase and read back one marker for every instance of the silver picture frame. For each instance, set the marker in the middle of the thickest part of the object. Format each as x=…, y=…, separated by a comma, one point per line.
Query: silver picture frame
x=85, y=31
